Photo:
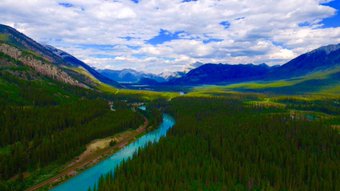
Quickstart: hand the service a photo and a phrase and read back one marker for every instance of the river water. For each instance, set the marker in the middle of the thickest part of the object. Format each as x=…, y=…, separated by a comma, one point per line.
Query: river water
x=89, y=177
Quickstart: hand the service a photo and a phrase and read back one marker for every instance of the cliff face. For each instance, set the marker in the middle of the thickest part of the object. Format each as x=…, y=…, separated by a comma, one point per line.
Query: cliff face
x=41, y=66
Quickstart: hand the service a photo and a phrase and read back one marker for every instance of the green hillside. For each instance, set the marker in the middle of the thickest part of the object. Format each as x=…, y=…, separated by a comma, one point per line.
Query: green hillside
x=22, y=85
x=322, y=82
x=46, y=122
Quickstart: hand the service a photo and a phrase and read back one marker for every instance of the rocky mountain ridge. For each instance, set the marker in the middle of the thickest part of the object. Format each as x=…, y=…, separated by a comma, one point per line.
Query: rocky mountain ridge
x=41, y=66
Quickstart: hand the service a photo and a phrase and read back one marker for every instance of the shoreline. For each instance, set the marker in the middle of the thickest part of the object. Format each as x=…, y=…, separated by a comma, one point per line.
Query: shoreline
x=77, y=166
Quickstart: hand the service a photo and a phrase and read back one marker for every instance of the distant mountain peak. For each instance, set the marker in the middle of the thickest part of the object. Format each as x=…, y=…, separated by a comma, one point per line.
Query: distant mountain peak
x=327, y=49
x=129, y=75
x=170, y=75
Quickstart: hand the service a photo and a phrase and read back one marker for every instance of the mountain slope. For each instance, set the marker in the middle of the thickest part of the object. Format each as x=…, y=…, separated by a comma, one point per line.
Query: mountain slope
x=320, y=82
x=39, y=64
x=320, y=59
x=25, y=79
x=57, y=59
x=21, y=41
x=324, y=82
x=222, y=73
x=74, y=62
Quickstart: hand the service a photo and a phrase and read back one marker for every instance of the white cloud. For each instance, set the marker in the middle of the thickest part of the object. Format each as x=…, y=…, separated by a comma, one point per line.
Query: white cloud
x=260, y=31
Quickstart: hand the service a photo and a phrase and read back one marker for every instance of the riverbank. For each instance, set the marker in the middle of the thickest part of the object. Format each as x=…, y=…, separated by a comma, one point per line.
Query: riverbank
x=96, y=151
x=90, y=177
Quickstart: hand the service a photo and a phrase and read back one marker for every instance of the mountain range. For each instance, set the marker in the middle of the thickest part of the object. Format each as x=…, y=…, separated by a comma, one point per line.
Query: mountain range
x=129, y=76
x=222, y=73
x=317, y=60
x=61, y=66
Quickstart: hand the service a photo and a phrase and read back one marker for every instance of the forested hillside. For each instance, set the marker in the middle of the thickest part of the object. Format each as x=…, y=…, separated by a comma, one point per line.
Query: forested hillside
x=236, y=143
x=45, y=121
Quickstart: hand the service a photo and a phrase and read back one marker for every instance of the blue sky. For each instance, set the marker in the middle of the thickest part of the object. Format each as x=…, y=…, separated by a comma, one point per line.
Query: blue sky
x=162, y=36
x=333, y=21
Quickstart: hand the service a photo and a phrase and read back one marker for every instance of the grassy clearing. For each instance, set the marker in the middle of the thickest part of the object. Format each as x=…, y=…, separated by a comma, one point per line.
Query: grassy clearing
x=103, y=143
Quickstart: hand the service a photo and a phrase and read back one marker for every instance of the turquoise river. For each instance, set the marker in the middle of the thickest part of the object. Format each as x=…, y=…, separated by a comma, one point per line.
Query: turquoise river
x=89, y=177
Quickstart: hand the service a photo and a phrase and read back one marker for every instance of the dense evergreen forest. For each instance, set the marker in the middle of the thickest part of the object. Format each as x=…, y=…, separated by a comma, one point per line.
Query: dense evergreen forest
x=33, y=137
x=229, y=143
x=44, y=122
